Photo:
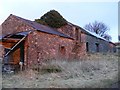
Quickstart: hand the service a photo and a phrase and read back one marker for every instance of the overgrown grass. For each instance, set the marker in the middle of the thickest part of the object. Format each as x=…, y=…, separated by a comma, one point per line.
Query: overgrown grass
x=91, y=65
x=47, y=68
x=93, y=71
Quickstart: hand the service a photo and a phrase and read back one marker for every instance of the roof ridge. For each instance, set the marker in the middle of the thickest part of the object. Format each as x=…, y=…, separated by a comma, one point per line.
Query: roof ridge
x=41, y=27
x=89, y=32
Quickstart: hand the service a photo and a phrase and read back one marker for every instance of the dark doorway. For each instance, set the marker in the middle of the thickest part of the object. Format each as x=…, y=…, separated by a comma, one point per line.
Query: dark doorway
x=97, y=47
x=11, y=61
x=87, y=46
x=22, y=52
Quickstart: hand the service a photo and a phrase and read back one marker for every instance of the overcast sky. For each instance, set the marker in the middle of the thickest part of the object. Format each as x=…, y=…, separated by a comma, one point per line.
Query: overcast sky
x=76, y=12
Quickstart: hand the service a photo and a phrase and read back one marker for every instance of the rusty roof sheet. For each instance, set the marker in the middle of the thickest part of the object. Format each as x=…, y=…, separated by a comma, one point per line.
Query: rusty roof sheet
x=43, y=28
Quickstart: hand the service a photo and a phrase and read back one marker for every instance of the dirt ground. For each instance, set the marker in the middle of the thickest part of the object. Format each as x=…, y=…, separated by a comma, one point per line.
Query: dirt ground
x=94, y=71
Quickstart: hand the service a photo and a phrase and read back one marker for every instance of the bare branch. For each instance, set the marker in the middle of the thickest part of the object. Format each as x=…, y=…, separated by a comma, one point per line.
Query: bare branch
x=99, y=28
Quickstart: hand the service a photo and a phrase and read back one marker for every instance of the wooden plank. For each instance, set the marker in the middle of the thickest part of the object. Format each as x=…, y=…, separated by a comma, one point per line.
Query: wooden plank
x=10, y=40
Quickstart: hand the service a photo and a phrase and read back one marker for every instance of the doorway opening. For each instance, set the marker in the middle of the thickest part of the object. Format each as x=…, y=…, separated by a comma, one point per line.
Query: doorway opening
x=97, y=47
x=87, y=46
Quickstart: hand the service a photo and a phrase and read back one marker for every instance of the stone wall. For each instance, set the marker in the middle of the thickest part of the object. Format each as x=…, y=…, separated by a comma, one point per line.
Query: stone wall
x=103, y=46
x=68, y=30
x=12, y=25
x=94, y=44
x=42, y=46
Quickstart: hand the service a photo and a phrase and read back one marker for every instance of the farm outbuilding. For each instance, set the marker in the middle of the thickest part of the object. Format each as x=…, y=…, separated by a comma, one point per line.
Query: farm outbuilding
x=29, y=42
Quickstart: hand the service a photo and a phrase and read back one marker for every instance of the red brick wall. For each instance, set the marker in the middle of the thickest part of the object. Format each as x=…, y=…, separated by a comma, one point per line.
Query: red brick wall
x=43, y=46
x=68, y=30
x=73, y=31
x=13, y=25
x=83, y=37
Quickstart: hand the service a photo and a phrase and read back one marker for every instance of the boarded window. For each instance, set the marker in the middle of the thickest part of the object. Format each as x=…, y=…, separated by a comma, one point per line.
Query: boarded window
x=97, y=47
x=87, y=46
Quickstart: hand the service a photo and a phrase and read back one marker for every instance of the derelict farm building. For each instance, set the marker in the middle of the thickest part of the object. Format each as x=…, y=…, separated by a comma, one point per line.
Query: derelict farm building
x=29, y=42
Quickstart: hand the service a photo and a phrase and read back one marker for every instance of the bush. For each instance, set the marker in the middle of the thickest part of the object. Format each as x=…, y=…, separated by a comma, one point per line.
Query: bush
x=52, y=19
x=40, y=21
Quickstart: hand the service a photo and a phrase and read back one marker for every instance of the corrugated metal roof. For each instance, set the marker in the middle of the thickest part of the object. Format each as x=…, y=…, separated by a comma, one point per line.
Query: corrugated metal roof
x=25, y=33
x=96, y=35
x=91, y=33
x=43, y=28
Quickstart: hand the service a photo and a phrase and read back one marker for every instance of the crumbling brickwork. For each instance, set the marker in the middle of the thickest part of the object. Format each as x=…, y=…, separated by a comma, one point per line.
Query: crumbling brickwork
x=40, y=46
x=68, y=42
